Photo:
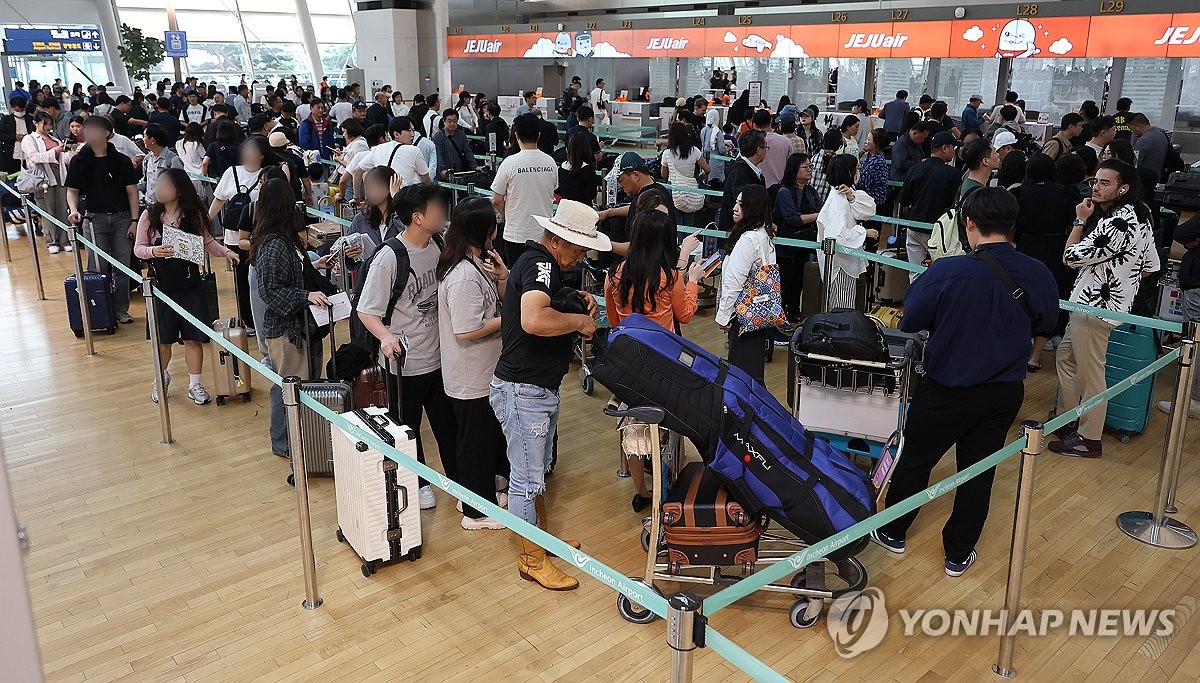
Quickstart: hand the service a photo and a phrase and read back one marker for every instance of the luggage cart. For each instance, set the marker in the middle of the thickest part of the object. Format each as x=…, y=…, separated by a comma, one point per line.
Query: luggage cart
x=593, y=283
x=856, y=405
x=811, y=585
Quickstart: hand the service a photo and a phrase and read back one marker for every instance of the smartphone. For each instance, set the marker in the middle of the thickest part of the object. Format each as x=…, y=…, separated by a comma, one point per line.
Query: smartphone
x=710, y=264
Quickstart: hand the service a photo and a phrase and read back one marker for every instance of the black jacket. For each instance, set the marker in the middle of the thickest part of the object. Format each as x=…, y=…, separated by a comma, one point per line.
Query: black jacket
x=929, y=190
x=378, y=114
x=8, y=139
x=738, y=175
x=1189, y=268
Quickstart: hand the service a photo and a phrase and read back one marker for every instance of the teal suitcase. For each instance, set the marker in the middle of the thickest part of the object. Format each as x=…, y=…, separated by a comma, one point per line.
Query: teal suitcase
x=1130, y=348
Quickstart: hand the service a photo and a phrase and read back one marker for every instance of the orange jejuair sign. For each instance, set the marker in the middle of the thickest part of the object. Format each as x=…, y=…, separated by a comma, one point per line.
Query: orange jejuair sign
x=1126, y=35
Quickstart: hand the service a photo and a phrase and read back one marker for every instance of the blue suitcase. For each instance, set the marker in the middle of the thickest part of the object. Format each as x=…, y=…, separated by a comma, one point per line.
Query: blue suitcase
x=765, y=456
x=101, y=297
x=1130, y=348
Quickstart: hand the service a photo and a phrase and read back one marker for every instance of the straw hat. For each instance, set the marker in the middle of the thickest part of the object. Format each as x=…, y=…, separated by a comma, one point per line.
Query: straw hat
x=576, y=223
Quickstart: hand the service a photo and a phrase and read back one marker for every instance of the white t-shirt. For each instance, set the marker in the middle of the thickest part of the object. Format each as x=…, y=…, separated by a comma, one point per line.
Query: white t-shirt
x=399, y=109
x=303, y=111
x=246, y=181
x=407, y=162
x=353, y=149
x=416, y=314
x=126, y=146
x=527, y=180
x=341, y=111
x=683, y=164
x=193, y=113
x=597, y=96
x=432, y=119
x=467, y=299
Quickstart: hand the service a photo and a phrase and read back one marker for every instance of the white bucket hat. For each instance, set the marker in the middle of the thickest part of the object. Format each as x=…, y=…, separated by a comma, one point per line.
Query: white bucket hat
x=576, y=223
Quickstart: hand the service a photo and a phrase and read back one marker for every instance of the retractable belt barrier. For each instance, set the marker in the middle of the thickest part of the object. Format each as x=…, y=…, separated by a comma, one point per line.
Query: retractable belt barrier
x=635, y=590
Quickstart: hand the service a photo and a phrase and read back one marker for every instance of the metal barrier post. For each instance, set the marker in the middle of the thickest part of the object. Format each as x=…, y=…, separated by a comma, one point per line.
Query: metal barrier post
x=1034, y=445
x=160, y=374
x=1187, y=376
x=291, y=404
x=4, y=234
x=1156, y=528
x=33, y=249
x=85, y=311
x=683, y=613
x=829, y=248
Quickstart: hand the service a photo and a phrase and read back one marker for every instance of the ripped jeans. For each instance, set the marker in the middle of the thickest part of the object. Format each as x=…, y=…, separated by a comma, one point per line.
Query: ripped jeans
x=528, y=415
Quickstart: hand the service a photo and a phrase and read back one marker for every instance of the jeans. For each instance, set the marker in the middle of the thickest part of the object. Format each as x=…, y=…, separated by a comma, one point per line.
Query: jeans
x=973, y=419
x=287, y=359
x=528, y=415
x=110, y=232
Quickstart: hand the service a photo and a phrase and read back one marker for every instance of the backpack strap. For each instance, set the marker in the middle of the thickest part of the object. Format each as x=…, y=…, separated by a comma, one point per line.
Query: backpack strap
x=393, y=155
x=1018, y=293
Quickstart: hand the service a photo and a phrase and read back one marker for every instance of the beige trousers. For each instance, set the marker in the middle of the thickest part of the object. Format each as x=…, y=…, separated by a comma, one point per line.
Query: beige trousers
x=1080, y=361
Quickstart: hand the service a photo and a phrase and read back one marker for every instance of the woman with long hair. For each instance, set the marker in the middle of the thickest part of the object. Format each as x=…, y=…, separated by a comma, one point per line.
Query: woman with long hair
x=750, y=247
x=841, y=219
x=737, y=110
x=1046, y=211
x=796, y=207
x=577, y=179
x=278, y=252
x=646, y=282
x=42, y=151
x=873, y=173
x=849, y=130
x=467, y=118
x=473, y=278
x=190, y=148
x=376, y=219
x=786, y=107
x=807, y=129
x=223, y=151
x=256, y=155
x=678, y=167
x=1012, y=170
x=178, y=206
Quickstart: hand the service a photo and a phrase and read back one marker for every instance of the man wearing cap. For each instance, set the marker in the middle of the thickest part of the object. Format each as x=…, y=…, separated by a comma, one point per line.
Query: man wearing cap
x=523, y=188
x=635, y=180
x=297, y=169
x=929, y=190
x=538, y=328
x=358, y=110
x=1003, y=141
x=971, y=118
x=108, y=179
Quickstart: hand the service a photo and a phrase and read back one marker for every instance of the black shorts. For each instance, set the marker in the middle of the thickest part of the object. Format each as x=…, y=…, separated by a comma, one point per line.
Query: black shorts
x=172, y=328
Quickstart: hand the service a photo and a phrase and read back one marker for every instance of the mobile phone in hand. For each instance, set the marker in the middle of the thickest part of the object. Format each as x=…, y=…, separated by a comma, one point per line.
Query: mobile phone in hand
x=710, y=264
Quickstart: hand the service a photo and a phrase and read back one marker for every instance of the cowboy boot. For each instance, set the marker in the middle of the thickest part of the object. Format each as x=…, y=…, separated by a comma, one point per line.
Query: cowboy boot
x=533, y=565
x=539, y=504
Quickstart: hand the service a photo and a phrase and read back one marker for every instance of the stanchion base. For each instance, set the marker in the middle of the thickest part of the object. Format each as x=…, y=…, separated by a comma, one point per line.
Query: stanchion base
x=624, y=474
x=308, y=605
x=1003, y=673
x=1172, y=510
x=168, y=442
x=1173, y=534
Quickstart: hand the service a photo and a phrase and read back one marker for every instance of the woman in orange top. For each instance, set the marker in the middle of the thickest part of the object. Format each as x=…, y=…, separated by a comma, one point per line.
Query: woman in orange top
x=648, y=283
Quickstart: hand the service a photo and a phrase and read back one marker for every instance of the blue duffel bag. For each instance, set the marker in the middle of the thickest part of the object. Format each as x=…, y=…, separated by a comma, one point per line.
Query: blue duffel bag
x=766, y=457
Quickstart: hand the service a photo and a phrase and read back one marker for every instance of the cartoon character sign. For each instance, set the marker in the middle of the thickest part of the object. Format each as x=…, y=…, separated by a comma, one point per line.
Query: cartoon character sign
x=1017, y=40
x=563, y=45
x=583, y=44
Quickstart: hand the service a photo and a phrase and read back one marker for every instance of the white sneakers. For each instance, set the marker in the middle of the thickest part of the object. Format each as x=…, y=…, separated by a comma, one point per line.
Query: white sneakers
x=501, y=501
x=199, y=394
x=480, y=524
x=154, y=394
x=53, y=249
x=1193, y=408
x=68, y=248
x=425, y=497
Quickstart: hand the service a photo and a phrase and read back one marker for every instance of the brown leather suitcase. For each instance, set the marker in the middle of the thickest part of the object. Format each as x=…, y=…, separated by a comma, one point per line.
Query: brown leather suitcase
x=323, y=233
x=704, y=525
x=370, y=388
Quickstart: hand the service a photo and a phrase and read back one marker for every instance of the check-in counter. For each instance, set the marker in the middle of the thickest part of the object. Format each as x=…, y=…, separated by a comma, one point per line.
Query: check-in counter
x=509, y=103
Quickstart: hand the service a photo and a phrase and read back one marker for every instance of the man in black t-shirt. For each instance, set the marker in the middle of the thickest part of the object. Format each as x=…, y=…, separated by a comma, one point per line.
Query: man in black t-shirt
x=537, y=330
x=297, y=170
x=108, y=180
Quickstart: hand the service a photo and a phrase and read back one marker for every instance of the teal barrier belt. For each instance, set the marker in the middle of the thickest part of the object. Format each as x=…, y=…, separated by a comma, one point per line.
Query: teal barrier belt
x=740, y=658
x=880, y=258
x=820, y=549
x=693, y=190
x=902, y=221
x=328, y=217
x=590, y=565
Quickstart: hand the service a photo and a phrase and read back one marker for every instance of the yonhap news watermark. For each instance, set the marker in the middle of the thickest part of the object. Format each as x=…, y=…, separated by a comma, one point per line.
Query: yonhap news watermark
x=859, y=621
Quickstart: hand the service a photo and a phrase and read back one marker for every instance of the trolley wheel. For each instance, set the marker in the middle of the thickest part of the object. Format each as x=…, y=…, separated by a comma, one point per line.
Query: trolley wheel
x=368, y=568
x=799, y=614
x=1123, y=437
x=646, y=540
x=220, y=400
x=413, y=554
x=111, y=330
x=588, y=385
x=245, y=398
x=633, y=612
x=291, y=480
x=340, y=536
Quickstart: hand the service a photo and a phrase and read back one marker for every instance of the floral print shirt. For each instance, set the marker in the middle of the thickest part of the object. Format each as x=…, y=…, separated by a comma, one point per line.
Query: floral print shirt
x=1112, y=260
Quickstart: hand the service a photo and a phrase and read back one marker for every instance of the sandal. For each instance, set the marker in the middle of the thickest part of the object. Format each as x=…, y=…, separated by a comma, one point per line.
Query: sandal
x=1033, y=368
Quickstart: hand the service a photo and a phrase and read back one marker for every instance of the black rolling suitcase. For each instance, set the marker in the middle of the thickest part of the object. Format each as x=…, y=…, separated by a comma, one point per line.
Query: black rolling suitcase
x=100, y=295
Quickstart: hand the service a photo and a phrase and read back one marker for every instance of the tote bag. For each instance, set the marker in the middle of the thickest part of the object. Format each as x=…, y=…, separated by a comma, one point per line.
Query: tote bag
x=760, y=303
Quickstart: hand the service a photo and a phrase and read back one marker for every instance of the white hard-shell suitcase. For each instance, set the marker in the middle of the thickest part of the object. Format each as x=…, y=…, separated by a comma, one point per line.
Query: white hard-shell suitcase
x=377, y=509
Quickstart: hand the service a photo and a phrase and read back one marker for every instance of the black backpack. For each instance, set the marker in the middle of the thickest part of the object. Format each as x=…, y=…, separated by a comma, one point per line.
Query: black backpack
x=231, y=213
x=840, y=333
x=1173, y=163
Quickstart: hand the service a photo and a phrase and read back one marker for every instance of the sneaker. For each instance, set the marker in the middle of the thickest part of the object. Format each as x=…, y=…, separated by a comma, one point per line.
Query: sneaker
x=68, y=248
x=53, y=249
x=958, y=568
x=425, y=497
x=250, y=332
x=1075, y=446
x=124, y=318
x=1193, y=408
x=1052, y=344
x=892, y=545
x=199, y=394
x=501, y=501
x=479, y=524
x=167, y=381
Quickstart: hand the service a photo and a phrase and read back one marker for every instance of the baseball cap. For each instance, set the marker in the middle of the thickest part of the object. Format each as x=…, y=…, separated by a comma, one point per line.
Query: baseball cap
x=977, y=97
x=806, y=112
x=359, y=105
x=944, y=138
x=278, y=139
x=632, y=161
x=1003, y=138
x=861, y=104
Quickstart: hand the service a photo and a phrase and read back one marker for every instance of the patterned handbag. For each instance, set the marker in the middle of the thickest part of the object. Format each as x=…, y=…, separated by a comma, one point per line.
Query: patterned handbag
x=760, y=303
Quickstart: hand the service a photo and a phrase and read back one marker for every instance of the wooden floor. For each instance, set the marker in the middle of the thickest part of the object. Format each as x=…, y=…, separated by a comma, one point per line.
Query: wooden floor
x=181, y=563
